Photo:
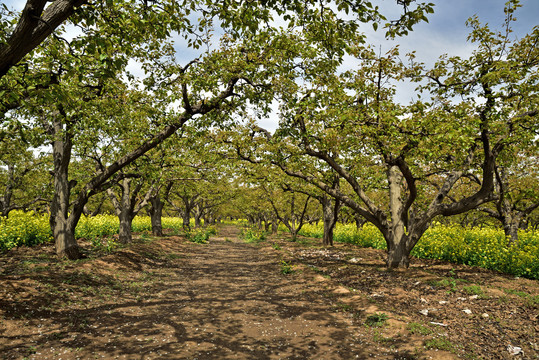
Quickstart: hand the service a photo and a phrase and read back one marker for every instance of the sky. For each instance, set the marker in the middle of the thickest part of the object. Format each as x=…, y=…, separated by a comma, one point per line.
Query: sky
x=445, y=33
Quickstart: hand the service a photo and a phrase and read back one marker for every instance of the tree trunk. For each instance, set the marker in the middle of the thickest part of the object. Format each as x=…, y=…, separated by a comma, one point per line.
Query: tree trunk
x=510, y=228
x=61, y=222
x=186, y=216
x=274, y=226
x=156, y=213
x=124, y=210
x=126, y=221
x=65, y=243
x=329, y=218
x=398, y=254
x=198, y=223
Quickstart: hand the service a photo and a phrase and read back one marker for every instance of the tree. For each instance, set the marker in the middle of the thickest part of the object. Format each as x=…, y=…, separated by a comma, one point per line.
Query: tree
x=23, y=177
x=431, y=159
x=129, y=202
x=79, y=75
x=35, y=24
x=23, y=33
x=517, y=193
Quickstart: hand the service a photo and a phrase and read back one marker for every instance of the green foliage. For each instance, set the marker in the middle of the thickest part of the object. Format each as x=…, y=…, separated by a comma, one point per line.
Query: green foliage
x=368, y=236
x=376, y=320
x=200, y=236
x=211, y=230
x=286, y=268
x=105, y=244
x=487, y=247
x=173, y=223
x=449, y=283
x=24, y=229
x=252, y=235
x=96, y=227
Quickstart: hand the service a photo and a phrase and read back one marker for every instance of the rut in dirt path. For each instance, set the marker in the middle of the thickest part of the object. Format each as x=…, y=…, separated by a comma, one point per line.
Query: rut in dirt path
x=232, y=301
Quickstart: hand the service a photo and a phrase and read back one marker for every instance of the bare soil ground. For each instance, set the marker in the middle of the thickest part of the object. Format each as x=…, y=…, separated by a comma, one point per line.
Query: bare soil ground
x=167, y=298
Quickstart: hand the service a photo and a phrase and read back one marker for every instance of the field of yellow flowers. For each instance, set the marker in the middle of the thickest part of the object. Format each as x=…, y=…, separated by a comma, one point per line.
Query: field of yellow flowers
x=486, y=247
x=28, y=229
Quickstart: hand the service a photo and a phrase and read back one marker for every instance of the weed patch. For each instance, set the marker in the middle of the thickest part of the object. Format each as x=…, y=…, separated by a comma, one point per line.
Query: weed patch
x=252, y=236
x=376, y=320
x=440, y=343
x=417, y=328
x=286, y=268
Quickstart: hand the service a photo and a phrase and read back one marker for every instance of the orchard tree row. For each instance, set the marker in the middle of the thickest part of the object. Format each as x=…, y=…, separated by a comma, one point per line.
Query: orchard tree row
x=180, y=133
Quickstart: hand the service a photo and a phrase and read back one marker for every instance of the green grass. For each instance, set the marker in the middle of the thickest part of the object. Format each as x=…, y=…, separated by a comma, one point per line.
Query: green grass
x=417, y=328
x=200, y=236
x=473, y=290
x=440, y=343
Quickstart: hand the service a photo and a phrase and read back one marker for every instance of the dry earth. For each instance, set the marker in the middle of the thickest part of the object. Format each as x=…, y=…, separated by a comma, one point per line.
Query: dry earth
x=167, y=298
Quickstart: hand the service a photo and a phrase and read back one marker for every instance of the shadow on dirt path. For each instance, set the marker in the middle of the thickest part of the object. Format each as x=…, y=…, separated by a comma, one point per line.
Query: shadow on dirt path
x=171, y=299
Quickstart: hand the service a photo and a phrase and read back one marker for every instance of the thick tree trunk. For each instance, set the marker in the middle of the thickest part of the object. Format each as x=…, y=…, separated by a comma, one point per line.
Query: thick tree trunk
x=61, y=222
x=186, y=218
x=398, y=254
x=124, y=207
x=156, y=213
x=198, y=223
x=510, y=228
x=126, y=221
x=66, y=245
x=330, y=210
x=274, y=226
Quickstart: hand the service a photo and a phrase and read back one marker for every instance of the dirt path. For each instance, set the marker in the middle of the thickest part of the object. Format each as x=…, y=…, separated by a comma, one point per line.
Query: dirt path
x=172, y=299
x=239, y=305
x=222, y=300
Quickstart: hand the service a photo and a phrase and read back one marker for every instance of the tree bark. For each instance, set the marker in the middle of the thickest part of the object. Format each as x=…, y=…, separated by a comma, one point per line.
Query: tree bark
x=510, y=229
x=125, y=234
x=63, y=223
x=186, y=217
x=329, y=218
x=64, y=235
x=35, y=25
x=156, y=213
x=398, y=254
x=274, y=225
